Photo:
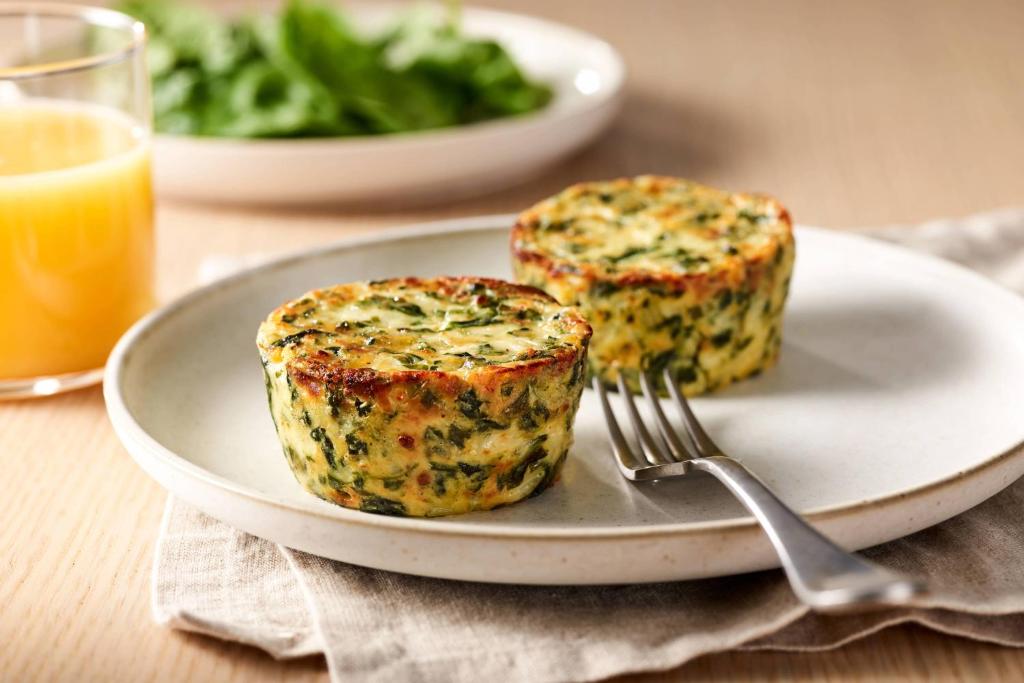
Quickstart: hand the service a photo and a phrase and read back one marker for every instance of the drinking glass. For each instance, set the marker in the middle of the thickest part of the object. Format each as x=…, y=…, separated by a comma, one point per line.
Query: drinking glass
x=76, y=202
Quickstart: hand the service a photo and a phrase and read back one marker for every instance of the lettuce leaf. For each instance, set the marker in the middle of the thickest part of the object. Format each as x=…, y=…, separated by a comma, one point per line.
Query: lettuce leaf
x=308, y=72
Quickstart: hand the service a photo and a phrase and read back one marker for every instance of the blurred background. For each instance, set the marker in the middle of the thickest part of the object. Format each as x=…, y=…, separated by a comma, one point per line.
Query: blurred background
x=855, y=114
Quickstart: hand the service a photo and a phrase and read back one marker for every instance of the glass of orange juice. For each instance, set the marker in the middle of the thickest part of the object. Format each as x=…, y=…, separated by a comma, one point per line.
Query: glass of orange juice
x=76, y=203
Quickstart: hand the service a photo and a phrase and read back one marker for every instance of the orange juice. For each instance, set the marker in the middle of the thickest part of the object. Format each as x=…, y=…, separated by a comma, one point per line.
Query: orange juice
x=76, y=235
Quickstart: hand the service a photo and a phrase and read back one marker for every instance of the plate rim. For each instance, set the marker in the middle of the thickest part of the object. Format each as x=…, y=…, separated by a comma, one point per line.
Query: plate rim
x=129, y=430
x=612, y=95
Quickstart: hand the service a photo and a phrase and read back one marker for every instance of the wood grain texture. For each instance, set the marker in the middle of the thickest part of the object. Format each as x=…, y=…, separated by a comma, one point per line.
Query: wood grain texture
x=854, y=113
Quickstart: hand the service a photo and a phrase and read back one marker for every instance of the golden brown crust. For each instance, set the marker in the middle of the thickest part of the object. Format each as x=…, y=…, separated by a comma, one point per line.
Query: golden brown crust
x=316, y=374
x=425, y=396
x=524, y=248
x=672, y=274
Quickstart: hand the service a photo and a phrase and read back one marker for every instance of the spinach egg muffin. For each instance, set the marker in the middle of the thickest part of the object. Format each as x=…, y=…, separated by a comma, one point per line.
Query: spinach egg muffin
x=424, y=397
x=671, y=274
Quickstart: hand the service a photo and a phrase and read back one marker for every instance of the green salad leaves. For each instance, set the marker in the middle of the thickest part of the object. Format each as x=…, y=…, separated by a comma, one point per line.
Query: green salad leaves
x=307, y=72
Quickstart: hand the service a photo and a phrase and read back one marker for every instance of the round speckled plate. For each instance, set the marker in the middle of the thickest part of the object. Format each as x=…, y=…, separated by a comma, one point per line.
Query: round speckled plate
x=895, y=405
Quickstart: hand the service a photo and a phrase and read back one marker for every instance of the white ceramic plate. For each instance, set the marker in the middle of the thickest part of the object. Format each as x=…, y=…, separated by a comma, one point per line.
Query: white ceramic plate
x=895, y=406
x=587, y=76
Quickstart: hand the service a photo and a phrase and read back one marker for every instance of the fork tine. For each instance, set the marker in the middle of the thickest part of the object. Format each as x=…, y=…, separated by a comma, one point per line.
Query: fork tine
x=669, y=436
x=703, y=443
x=651, y=449
x=620, y=447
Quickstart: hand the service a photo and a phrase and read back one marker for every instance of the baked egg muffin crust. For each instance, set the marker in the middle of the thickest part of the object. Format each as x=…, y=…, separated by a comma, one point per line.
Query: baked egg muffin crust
x=424, y=397
x=670, y=273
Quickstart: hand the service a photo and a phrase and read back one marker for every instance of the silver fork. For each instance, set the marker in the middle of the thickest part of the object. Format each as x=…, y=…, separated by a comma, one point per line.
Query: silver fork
x=823, y=575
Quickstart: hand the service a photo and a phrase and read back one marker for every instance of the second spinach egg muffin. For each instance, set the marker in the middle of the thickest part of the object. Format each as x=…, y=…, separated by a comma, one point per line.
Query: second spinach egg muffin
x=424, y=397
x=670, y=273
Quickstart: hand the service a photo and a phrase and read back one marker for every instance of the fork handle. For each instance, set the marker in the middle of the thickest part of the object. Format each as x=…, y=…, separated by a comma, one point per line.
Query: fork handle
x=823, y=575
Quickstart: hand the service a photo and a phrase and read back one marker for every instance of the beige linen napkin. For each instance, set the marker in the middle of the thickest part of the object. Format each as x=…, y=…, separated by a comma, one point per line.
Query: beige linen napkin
x=378, y=626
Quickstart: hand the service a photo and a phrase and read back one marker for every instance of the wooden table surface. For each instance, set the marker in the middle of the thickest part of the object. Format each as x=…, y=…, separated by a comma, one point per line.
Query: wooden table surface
x=854, y=114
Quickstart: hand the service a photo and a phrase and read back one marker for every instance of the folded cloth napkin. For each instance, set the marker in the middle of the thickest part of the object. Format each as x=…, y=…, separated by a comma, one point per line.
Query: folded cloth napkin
x=378, y=626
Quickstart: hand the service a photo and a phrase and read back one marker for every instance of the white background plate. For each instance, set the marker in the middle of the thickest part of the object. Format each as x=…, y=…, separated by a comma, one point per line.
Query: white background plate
x=895, y=406
x=585, y=72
